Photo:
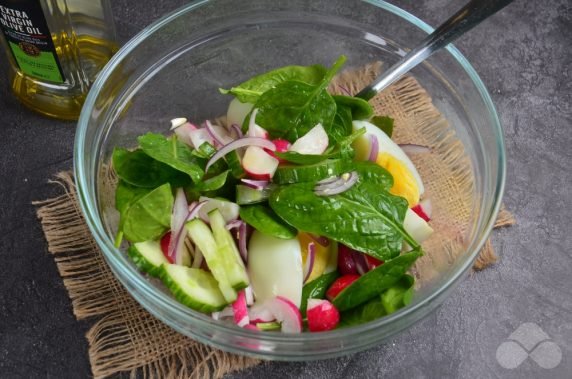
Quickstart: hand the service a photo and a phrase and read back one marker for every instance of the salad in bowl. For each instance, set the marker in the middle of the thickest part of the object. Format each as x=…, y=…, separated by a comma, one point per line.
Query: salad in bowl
x=296, y=212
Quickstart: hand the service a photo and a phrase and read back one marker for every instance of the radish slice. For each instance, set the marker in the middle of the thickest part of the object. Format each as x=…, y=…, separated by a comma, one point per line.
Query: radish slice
x=251, y=327
x=374, y=151
x=258, y=163
x=178, y=218
x=260, y=313
x=314, y=142
x=240, y=310
x=200, y=136
x=418, y=228
x=254, y=130
x=237, y=112
x=410, y=148
x=287, y=313
x=309, y=266
x=427, y=207
x=249, y=295
x=243, y=142
x=322, y=315
x=183, y=132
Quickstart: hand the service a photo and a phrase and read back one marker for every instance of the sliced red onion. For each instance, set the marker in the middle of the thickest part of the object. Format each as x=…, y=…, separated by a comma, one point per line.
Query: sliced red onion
x=361, y=262
x=337, y=187
x=198, y=258
x=242, y=241
x=178, y=217
x=194, y=209
x=374, y=150
x=309, y=266
x=329, y=180
x=410, y=148
x=324, y=241
x=234, y=224
x=236, y=130
x=218, y=134
x=249, y=295
x=427, y=207
x=256, y=184
x=243, y=142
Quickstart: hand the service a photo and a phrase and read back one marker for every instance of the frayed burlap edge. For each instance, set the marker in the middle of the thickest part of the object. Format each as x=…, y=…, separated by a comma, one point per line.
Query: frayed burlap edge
x=126, y=338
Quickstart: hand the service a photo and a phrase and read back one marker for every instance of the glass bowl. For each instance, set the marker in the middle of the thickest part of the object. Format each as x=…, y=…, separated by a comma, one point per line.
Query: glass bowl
x=174, y=68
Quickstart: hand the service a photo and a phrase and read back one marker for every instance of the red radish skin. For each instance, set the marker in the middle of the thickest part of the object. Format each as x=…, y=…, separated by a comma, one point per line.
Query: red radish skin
x=322, y=315
x=251, y=327
x=372, y=262
x=346, y=263
x=260, y=313
x=421, y=212
x=339, y=285
x=282, y=146
x=165, y=241
x=240, y=310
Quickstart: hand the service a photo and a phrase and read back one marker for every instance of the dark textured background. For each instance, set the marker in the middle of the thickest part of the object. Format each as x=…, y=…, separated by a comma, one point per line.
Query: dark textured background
x=523, y=56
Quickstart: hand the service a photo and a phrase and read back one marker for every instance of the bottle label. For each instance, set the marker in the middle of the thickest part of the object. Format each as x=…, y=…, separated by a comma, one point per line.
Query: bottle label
x=30, y=40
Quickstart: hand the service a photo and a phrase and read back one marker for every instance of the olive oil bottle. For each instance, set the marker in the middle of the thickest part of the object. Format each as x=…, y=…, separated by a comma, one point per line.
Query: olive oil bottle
x=55, y=50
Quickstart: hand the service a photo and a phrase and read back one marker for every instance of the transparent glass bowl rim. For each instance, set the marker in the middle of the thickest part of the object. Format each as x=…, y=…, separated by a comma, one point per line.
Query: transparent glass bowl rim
x=88, y=203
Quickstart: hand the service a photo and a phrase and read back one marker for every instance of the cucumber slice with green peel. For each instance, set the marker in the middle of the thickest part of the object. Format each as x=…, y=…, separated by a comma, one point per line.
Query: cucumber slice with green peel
x=203, y=237
x=247, y=195
x=148, y=257
x=193, y=287
x=288, y=174
x=234, y=266
x=233, y=161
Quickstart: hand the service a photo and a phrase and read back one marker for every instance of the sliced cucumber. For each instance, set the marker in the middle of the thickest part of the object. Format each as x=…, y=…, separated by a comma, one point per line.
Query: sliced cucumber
x=193, y=287
x=269, y=326
x=247, y=195
x=148, y=257
x=234, y=266
x=311, y=173
x=233, y=162
x=203, y=237
x=228, y=209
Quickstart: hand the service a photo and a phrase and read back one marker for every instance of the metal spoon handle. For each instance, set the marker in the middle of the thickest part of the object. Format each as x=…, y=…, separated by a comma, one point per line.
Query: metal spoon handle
x=465, y=19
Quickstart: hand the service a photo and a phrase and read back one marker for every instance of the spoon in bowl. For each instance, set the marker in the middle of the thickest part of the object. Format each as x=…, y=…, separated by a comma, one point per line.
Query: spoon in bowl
x=472, y=14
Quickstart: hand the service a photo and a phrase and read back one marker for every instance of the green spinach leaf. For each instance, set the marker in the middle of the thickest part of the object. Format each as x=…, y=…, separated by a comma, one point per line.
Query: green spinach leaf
x=316, y=289
x=398, y=296
x=292, y=108
x=174, y=153
x=385, y=123
x=342, y=124
x=360, y=109
x=266, y=221
x=372, y=310
x=250, y=91
x=366, y=217
x=214, y=183
x=125, y=195
x=371, y=172
x=149, y=216
x=139, y=169
x=374, y=282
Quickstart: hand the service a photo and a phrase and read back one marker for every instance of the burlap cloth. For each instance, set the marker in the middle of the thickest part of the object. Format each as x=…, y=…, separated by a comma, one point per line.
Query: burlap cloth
x=125, y=338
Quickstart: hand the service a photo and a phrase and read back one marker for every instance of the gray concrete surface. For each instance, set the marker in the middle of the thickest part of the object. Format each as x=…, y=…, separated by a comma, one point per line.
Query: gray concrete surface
x=523, y=56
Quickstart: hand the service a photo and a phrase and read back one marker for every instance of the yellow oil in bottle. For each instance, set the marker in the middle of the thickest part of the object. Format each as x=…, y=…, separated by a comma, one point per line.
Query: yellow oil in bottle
x=82, y=42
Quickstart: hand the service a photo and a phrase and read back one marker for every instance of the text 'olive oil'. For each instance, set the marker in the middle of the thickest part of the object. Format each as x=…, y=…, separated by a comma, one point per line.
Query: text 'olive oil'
x=56, y=49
